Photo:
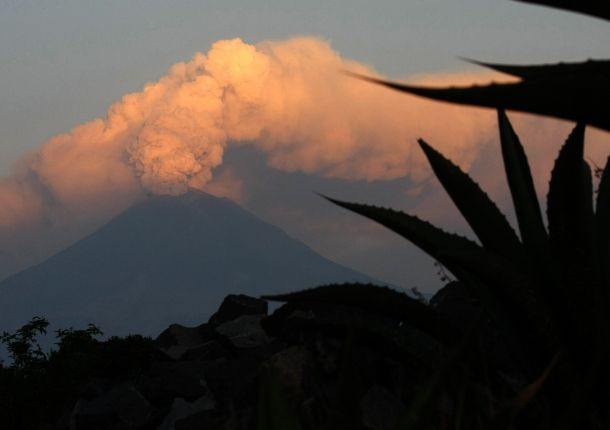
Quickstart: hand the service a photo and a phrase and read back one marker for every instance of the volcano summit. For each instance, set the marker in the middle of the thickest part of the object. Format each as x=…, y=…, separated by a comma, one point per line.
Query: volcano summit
x=169, y=259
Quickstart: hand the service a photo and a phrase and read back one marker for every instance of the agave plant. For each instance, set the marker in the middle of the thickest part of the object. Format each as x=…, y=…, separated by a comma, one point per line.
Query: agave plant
x=545, y=291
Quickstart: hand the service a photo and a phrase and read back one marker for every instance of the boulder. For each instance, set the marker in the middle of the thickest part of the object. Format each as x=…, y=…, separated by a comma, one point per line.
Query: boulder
x=237, y=305
x=120, y=407
x=245, y=331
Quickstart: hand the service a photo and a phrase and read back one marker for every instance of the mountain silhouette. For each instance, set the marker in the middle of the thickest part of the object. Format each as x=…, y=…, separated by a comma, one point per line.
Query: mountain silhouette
x=166, y=260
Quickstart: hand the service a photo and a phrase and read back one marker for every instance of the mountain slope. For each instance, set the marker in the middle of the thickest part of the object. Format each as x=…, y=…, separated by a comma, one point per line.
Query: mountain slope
x=166, y=260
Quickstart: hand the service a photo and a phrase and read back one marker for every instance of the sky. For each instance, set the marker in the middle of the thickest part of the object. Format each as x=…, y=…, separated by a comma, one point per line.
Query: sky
x=65, y=63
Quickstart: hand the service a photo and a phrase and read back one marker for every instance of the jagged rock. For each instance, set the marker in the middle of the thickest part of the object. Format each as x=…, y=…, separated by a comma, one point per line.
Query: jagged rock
x=233, y=381
x=177, y=339
x=121, y=407
x=236, y=305
x=212, y=350
x=332, y=363
x=293, y=366
x=167, y=381
x=245, y=331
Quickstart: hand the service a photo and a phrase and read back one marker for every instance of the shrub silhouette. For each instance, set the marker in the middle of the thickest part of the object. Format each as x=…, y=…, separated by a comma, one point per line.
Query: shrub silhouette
x=36, y=386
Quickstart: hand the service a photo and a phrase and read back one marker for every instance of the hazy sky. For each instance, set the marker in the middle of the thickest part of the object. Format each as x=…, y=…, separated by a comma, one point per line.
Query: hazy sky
x=64, y=62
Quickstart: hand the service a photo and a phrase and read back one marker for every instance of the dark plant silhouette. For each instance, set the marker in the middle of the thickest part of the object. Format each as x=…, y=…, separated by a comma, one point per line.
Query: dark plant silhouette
x=22, y=345
x=37, y=386
x=535, y=351
x=571, y=91
x=546, y=294
x=597, y=8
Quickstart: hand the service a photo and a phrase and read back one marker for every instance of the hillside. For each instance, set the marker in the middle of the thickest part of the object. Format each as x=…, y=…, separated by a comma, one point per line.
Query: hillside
x=166, y=260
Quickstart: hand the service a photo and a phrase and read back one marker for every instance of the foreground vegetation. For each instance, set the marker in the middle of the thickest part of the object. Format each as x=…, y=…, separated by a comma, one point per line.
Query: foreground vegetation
x=521, y=339
x=36, y=386
x=536, y=353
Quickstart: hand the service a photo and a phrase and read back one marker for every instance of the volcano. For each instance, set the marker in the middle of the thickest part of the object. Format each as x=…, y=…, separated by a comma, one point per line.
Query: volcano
x=169, y=259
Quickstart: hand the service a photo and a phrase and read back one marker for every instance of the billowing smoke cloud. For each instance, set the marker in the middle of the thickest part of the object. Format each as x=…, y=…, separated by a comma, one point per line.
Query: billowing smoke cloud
x=288, y=99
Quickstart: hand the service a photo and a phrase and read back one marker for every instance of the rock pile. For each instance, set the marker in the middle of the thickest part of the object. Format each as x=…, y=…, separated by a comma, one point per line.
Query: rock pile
x=304, y=366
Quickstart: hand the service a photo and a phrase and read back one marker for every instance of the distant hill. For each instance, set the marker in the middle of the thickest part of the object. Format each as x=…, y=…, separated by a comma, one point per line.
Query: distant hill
x=166, y=260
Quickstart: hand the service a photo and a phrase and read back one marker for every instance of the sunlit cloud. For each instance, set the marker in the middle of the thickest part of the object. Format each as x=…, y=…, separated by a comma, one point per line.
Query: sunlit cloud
x=288, y=99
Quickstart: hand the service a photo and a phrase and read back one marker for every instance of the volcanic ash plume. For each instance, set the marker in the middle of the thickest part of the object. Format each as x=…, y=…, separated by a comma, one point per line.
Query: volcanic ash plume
x=288, y=99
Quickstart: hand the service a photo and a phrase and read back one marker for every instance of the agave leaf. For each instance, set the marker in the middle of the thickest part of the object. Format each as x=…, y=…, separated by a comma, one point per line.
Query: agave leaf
x=590, y=68
x=430, y=239
x=570, y=203
x=602, y=225
x=570, y=218
x=529, y=217
x=602, y=204
x=482, y=214
x=523, y=192
x=596, y=8
x=577, y=97
x=381, y=300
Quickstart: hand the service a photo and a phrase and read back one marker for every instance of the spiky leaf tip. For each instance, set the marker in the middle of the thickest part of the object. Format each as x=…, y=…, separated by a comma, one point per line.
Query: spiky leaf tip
x=602, y=232
x=596, y=8
x=575, y=97
x=430, y=239
x=481, y=213
x=523, y=193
